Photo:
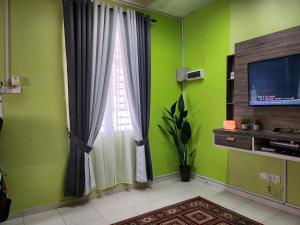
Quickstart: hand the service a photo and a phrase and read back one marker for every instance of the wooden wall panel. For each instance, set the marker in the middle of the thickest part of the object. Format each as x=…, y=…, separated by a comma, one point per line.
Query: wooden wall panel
x=282, y=43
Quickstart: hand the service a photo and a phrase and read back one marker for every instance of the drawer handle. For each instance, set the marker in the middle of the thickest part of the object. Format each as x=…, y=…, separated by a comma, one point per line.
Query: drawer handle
x=230, y=139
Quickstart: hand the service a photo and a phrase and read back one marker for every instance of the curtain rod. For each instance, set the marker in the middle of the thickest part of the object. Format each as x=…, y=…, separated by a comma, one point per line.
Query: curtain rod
x=152, y=20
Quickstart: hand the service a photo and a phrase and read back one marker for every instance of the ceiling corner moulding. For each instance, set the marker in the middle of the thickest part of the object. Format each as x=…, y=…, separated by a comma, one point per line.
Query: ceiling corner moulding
x=141, y=3
x=141, y=6
x=173, y=8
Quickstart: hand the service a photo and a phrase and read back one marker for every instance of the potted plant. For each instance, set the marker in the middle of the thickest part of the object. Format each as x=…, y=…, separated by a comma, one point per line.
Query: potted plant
x=179, y=129
x=245, y=123
x=257, y=125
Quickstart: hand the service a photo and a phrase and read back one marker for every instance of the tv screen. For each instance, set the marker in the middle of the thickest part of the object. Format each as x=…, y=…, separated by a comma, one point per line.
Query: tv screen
x=274, y=81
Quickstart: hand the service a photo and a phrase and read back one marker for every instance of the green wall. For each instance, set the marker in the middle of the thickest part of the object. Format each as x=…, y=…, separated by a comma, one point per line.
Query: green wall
x=206, y=45
x=166, y=58
x=210, y=35
x=254, y=18
x=33, y=142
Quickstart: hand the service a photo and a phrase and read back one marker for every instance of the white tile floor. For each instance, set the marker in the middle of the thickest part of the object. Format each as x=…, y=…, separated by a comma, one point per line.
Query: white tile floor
x=126, y=204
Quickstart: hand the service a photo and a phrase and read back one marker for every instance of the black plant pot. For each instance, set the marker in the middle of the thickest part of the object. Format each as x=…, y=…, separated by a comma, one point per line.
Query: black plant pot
x=185, y=173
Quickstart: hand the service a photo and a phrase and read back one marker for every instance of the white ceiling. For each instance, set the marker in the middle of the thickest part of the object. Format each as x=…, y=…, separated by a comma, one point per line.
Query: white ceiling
x=177, y=8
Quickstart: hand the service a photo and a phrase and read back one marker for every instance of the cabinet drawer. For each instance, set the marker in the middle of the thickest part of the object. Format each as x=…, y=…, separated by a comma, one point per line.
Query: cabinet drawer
x=234, y=141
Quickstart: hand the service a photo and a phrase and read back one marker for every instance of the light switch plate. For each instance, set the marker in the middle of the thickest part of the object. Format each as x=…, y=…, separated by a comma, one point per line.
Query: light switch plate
x=10, y=90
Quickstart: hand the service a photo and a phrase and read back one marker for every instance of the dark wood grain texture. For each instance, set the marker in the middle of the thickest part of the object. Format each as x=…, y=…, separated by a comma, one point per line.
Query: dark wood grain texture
x=259, y=134
x=233, y=140
x=279, y=44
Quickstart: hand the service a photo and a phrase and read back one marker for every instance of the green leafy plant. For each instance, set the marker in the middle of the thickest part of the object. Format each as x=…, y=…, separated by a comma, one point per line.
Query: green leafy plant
x=245, y=121
x=179, y=129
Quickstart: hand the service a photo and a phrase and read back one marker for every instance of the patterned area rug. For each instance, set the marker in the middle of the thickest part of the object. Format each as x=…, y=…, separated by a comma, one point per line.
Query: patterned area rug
x=196, y=211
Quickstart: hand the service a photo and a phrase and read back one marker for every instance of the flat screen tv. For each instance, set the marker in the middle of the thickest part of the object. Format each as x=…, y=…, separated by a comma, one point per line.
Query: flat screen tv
x=274, y=82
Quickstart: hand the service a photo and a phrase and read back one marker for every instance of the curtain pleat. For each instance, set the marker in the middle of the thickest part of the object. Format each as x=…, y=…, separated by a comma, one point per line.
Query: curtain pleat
x=105, y=26
x=89, y=39
x=128, y=35
x=104, y=35
x=77, y=24
x=135, y=33
x=144, y=59
x=90, y=33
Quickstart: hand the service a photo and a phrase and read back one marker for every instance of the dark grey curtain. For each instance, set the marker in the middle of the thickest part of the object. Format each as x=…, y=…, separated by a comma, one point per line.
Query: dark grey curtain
x=144, y=57
x=78, y=40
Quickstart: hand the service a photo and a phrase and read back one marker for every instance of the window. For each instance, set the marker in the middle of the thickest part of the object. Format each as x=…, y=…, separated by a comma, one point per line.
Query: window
x=117, y=115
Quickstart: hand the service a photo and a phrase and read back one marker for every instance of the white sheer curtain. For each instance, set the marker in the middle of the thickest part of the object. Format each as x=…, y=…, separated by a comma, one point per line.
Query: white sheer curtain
x=103, y=42
x=129, y=39
x=115, y=144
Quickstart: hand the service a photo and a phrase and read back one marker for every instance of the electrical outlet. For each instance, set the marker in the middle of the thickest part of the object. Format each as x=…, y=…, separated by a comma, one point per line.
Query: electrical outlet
x=276, y=179
x=271, y=177
x=264, y=176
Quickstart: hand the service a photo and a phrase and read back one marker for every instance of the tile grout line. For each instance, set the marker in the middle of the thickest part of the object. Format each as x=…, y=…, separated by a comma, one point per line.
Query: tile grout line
x=276, y=214
x=243, y=204
x=264, y=219
x=129, y=206
x=98, y=213
x=60, y=213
